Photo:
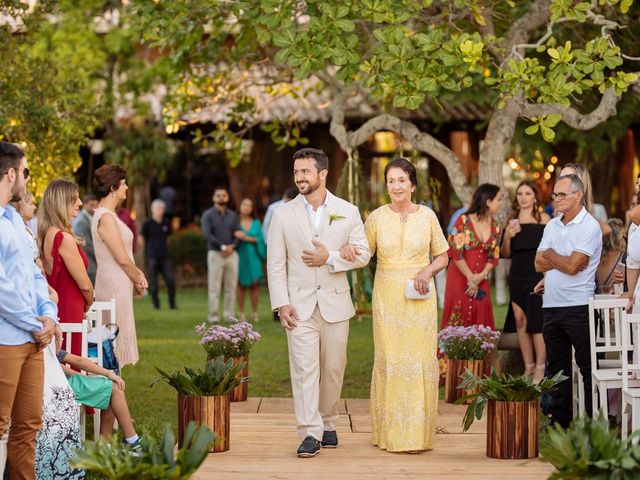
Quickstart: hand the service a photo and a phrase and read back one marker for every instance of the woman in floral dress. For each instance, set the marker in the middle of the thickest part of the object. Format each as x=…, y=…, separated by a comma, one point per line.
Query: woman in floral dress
x=474, y=252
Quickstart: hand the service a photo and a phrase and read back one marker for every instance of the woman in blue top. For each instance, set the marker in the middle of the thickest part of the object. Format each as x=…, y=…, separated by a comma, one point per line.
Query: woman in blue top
x=252, y=252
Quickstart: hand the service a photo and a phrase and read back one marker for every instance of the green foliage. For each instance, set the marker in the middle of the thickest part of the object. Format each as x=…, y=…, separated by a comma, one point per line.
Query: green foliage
x=155, y=461
x=219, y=377
x=503, y=388
x=397, y=54
x=589, y=448
x=188, y=249
x=141, y=148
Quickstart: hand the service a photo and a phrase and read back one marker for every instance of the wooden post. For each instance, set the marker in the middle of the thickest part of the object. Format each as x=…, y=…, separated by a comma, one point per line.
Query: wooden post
x=214, y=412
x=512, y=429
x=455, y=368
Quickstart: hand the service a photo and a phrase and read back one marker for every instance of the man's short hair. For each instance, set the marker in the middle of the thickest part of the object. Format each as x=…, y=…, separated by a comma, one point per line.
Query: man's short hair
x=89, y=197
x=320, y=158
x=10, y=156
x=576, y=183
x=158, y=202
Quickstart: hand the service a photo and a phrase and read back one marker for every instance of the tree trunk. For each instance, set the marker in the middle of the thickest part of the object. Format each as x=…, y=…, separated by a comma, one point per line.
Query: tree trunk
x=497, y=144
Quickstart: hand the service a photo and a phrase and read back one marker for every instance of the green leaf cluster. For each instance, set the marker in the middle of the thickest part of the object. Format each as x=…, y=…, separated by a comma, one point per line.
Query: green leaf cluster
x=219, y=377
x=590, y=448
x=154, y=461
x=503, y=388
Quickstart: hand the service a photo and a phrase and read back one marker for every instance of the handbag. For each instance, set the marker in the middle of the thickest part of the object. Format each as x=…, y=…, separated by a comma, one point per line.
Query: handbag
x=410, y=292
x=109, y=358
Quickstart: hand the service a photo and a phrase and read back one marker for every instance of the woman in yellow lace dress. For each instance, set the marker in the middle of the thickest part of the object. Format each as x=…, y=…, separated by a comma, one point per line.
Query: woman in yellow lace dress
x=404, y=385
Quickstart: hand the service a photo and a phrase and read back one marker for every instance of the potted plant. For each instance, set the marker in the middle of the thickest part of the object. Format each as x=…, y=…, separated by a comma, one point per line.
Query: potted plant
x=513, y=405
x=203, y=396
x=154, y=460
x=233, y=341
x=590, y=448
x=465, y=348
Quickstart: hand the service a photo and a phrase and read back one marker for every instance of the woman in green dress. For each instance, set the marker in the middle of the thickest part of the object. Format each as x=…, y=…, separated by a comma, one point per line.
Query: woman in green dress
x=252, y=252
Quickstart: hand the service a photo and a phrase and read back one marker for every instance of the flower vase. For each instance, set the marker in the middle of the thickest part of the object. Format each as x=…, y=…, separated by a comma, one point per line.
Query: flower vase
x=212, y=411
x=512, y=429
x=455, y=368
x=239, y=394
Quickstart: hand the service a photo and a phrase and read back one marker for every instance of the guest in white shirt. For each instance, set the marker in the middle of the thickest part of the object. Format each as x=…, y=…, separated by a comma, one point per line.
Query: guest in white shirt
x=568, y=254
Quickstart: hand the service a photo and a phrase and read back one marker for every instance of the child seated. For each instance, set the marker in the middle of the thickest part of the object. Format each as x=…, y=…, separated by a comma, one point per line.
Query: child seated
x=99, y=392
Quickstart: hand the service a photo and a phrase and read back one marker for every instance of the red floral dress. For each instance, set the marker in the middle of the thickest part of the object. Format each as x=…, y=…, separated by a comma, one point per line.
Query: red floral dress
x=459, y=309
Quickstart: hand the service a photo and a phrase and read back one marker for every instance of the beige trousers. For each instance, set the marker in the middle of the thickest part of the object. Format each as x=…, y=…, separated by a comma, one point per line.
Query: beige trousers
x=222, y=276
x=317, y=359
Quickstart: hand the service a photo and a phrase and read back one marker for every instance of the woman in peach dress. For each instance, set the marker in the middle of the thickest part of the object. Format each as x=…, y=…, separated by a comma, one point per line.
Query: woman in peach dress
x=117, y=275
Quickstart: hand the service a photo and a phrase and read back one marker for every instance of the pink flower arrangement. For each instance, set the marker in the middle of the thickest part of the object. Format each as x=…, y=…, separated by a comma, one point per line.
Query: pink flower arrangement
x=468, y=343
x=235, y=340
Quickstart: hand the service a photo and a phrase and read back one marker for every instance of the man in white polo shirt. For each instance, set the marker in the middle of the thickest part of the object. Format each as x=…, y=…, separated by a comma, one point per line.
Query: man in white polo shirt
x=568, y=254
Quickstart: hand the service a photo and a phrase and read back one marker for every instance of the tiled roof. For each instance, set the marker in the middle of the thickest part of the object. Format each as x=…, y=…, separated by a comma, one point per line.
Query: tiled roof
x=315, y=106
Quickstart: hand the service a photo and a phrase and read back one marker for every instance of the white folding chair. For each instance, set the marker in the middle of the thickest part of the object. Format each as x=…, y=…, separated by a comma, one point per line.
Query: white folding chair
x=578, y=387
x=605, y=337
x=68, y=330
x=99, y=314
x=630, y=373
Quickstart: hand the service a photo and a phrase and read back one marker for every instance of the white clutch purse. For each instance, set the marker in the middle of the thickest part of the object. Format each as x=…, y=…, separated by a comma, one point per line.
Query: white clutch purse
x=410, y=292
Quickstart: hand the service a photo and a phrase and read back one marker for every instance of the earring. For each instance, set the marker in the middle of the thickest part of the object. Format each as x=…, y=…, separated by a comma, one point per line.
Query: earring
x=114, y=194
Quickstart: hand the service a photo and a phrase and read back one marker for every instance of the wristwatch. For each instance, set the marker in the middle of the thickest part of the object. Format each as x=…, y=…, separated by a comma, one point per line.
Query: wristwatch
x=223, y=248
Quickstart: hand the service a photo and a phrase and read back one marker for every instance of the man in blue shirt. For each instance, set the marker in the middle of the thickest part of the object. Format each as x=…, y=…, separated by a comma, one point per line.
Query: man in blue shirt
x=219, y=225
x=568, y=254
x=26, y=321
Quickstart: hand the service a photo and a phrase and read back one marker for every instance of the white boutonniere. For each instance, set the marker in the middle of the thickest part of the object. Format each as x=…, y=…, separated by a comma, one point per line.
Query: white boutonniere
x=334, y=217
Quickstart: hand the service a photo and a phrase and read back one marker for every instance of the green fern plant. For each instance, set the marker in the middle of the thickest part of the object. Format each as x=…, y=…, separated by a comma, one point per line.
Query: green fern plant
x=589, y=448
x=219, y=377
x=502, y=388
x=154, y=461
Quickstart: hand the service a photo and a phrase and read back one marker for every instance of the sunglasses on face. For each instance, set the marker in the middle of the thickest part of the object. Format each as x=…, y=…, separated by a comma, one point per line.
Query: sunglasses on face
x=25, y=172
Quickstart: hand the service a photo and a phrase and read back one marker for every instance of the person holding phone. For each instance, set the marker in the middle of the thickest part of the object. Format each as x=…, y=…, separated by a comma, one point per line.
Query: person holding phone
x=522, y=236
x=475, y=250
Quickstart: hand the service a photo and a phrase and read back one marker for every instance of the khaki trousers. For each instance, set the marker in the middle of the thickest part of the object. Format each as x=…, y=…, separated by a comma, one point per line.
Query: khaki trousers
x=21, y=394
x=317, y=359
x=222, y=276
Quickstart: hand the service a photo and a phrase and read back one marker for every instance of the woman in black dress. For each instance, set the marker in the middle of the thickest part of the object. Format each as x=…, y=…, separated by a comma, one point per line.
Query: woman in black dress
x=521, y=239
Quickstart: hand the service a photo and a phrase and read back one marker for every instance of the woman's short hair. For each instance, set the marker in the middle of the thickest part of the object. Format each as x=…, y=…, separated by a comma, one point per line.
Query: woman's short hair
x=406, y=166
x=483, y=194
x=107, y=179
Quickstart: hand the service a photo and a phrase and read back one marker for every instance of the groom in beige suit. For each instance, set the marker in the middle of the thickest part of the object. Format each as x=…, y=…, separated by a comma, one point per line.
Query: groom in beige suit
x=310, y=239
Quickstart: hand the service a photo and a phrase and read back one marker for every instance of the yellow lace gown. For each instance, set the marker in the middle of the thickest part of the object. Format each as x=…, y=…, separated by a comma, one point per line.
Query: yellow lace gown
x=404, y=384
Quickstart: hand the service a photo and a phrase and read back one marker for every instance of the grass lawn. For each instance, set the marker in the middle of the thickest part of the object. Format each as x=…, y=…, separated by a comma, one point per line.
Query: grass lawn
x=166, y=339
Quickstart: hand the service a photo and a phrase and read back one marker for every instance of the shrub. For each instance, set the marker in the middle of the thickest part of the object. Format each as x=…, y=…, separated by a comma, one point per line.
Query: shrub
x=589, y=448
x=154, y=461
x=219, y=377
x=235, y=340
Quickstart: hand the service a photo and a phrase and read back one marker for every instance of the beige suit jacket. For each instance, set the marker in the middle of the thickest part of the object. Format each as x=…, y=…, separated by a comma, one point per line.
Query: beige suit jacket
x=291, y=282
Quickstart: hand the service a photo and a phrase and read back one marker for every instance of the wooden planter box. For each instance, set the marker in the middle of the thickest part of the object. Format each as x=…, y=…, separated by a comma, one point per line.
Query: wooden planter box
x=240, y=393
x=455, y=368
x=512, y=429
x=214, y=412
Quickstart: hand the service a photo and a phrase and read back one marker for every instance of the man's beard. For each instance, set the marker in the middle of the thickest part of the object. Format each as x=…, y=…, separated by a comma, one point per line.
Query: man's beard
x=308, y=189
x=17, y=193
x=222, y=203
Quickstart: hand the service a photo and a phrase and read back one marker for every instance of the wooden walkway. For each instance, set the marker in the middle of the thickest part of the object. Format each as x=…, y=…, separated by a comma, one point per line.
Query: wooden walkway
x=264, y=442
